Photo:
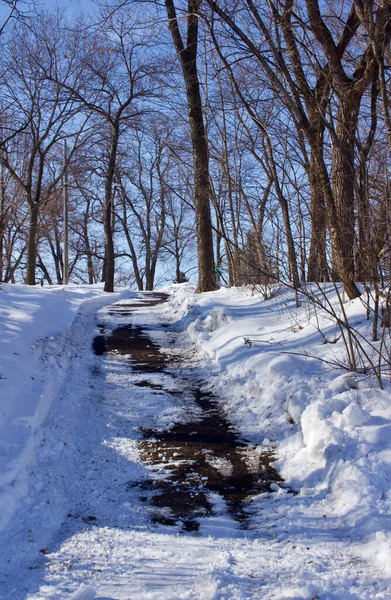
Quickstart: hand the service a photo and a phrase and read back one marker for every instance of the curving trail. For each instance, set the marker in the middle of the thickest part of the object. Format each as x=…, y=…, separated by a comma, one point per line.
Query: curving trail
x=143, y=489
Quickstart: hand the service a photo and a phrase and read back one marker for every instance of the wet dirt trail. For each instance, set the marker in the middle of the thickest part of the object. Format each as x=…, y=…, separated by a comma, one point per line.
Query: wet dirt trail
x=199, y=462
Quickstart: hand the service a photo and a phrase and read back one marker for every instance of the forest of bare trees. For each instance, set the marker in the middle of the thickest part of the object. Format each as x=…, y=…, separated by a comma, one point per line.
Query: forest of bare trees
x=239, y=139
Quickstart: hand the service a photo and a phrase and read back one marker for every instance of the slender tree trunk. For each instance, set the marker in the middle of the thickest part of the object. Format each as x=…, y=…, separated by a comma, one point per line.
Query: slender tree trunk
x=1, y=252
x=44, y=270
x=55, y=248
x=292, y=256
x=148, y=269
x=264, y=267
x=221, y=234
x=365, y=265
x=11, y=269
x=231, y=272
x=367, y=252
x=178, y=272
x=2, y=222
x=87, y=249
x=32, y=244
x=133, y=254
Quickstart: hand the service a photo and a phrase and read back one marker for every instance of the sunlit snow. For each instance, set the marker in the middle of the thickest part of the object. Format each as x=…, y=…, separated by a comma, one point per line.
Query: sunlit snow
x=73, y=526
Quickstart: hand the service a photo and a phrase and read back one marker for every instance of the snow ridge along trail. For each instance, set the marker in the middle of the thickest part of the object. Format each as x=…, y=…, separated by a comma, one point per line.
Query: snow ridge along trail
x=114, y=504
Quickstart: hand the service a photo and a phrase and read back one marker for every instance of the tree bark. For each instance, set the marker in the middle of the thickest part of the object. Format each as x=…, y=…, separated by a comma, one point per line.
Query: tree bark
x=188, y=58
x=132, y=250
x=32, y=245
x=350, y=90
x=108, y=211
x=343, y=178
x=87, y=246
x=317, y=260
x=2, y=223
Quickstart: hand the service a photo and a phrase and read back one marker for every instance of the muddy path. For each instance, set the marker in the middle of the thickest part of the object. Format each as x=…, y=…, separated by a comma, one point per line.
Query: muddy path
x=199, y=462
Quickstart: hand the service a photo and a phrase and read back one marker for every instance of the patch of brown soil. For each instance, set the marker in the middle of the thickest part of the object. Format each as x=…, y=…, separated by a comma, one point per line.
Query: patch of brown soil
x=194, y=459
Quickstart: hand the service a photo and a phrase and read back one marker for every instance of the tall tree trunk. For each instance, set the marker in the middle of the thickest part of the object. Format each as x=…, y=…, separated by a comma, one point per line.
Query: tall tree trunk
x=317, y=259
x=108, y=212
x=206, y=276
x=188, y=59
x=109, y=251
x=350, y=87
x=343, y=177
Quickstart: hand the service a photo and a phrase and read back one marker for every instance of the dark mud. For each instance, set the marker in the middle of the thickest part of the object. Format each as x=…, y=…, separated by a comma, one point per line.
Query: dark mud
x=201, y=459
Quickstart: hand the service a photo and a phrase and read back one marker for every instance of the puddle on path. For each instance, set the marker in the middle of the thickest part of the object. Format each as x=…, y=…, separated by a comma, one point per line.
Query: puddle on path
x=191, y=462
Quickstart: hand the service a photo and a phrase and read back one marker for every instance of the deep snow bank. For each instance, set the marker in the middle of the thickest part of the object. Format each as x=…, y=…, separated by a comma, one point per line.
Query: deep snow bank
x=331, y=429
x=39, y=331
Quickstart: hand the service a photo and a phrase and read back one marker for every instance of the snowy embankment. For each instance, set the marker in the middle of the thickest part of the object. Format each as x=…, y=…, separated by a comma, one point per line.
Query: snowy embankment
x=330, y=428
x=39, y=331
x=330, y=431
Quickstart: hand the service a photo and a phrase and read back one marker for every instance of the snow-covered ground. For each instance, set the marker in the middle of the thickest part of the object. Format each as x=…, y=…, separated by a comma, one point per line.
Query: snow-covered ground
x=40, y=332
x=73, y=527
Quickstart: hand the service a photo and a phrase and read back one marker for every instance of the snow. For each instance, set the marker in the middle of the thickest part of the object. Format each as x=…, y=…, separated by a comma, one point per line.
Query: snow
x=330, y=429
x=37, y=330
x=85, y=592
x=72, y=524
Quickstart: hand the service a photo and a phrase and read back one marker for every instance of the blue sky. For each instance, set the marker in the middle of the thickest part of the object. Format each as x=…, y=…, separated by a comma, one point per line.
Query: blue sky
x=76, y=5
x=71, y=5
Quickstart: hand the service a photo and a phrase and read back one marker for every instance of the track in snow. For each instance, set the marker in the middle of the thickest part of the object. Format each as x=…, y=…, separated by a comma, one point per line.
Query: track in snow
x=200, y=458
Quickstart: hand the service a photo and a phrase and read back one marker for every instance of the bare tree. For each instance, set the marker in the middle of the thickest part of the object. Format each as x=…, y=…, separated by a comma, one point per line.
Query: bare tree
x=40, y=114
x=111, y=77
x=142, y=193
x=292, y=68
x=13, y=9
x=13, y=227
x=350, y=80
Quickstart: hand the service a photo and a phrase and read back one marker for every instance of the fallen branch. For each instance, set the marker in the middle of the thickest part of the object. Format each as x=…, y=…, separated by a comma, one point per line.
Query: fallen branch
x=249, y=342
